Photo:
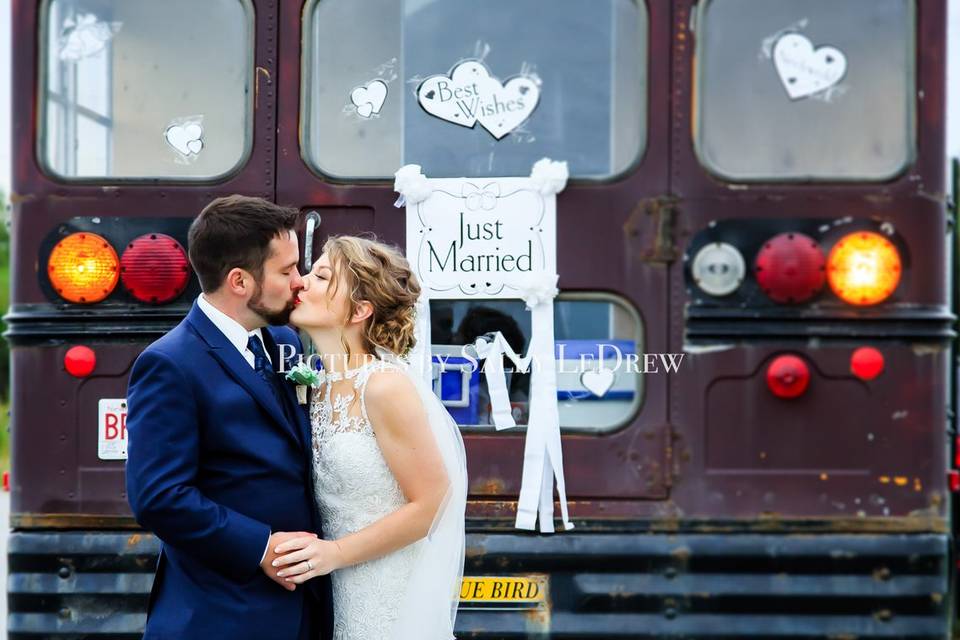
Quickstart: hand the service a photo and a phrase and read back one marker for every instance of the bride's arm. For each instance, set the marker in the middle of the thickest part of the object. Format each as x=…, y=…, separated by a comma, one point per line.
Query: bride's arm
x=407, y=442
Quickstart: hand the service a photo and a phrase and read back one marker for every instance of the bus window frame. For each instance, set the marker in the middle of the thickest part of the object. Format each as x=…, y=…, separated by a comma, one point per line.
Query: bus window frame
x=714, y=172
x=43, y=10
x=317, y=171
x=640, y=396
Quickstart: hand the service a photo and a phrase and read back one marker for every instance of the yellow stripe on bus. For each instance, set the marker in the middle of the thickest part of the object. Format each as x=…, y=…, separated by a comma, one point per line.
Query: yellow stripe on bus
x=503, y=589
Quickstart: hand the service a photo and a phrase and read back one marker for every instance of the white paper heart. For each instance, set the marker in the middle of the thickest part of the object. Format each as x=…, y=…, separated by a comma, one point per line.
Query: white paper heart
x=85, y=37
x=186, y=139
x=519, y=97
x=369, y=98
x=804, y=70
x=597, y=382
x=470, y=94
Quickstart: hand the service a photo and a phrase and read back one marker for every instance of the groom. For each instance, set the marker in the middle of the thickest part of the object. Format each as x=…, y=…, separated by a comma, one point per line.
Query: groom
x=219, y=464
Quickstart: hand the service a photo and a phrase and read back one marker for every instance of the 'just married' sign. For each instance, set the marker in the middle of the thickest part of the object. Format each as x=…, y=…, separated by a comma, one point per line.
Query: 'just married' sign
x=482, y=238
x=496, y=238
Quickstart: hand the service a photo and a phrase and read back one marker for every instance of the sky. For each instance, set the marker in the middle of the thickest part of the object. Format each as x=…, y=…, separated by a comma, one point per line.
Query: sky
x=953, y=97
x=5, y=96
x=953, y=80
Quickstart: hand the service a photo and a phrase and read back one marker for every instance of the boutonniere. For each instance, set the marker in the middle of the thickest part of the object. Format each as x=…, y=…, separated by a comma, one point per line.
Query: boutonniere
x=303, y=376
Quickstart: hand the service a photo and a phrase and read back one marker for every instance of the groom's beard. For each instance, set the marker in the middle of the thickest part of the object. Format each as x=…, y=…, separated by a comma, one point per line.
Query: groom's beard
x=272, y=316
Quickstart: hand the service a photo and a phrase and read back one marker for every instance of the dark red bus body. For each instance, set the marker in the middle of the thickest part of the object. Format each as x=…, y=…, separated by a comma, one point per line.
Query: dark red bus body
x=682, y=527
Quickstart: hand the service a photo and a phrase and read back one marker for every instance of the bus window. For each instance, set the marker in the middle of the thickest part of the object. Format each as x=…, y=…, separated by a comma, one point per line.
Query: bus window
x=138, y=89
x=805, y=90
x=599, y=359
x=588, y=57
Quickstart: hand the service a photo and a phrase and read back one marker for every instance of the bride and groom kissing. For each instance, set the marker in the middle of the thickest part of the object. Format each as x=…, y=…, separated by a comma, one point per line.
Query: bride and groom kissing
x=340, y=519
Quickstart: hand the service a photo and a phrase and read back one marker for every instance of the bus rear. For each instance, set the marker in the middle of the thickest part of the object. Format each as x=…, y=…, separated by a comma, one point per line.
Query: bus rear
x=765, y=233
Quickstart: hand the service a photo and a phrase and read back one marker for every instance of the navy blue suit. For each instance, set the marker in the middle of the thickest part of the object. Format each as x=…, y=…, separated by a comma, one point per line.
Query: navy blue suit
x=213, y=467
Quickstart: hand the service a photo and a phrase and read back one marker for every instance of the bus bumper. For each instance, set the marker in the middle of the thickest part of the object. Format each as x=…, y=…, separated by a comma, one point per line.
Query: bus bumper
x=95, y=584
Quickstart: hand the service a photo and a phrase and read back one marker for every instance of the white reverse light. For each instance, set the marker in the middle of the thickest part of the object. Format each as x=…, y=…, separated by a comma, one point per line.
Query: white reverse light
x=718, y=268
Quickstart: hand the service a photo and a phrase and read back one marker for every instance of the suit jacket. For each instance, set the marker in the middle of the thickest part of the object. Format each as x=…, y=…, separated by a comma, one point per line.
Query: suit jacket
x=213, y=467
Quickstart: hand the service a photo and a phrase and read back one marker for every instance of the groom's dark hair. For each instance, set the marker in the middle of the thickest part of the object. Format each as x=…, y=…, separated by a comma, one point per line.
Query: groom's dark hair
x=235, y=231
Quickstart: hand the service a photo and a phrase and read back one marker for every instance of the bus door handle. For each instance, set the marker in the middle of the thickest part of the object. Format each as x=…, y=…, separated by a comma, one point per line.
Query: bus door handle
x=313, y=221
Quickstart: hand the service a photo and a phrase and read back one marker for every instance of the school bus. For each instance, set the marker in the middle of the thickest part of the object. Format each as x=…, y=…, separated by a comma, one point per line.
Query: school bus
x=759, y=185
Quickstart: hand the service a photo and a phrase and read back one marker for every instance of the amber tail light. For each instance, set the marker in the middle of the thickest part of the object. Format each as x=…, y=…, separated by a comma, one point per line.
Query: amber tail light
x=83, y=268
x=863, y=268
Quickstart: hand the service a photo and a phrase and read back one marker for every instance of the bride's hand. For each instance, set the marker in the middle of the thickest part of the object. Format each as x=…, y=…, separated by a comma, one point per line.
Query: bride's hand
x=303, y=558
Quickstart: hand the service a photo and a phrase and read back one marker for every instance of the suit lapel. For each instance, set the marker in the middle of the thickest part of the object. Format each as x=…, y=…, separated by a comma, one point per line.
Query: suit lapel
x=301, y=416
x=237, y=366
x=302, y=425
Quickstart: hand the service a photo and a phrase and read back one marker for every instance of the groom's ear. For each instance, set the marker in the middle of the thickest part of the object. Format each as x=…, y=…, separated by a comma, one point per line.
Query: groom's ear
x=361, y=311
x=238, y=281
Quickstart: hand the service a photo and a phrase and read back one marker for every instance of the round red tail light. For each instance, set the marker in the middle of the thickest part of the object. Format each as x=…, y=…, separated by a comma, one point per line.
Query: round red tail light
x=790, y=267
x=154, y=268
x=80, y=361
x=788, y=376
x=866, y=363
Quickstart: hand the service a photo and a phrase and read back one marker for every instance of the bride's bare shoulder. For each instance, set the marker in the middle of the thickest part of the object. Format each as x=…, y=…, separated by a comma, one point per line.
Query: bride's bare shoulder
x=390, y=392
x=386, y=380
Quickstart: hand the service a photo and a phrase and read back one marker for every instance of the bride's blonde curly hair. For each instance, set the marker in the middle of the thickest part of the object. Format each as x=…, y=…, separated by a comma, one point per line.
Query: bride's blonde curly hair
x=380, y=274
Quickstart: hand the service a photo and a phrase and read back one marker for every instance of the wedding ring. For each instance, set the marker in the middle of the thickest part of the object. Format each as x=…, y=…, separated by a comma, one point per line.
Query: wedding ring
x=309, y=566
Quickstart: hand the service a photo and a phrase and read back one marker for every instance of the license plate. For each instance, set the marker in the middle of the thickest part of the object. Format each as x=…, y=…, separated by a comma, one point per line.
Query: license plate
x=112, y=428
x=504, y=592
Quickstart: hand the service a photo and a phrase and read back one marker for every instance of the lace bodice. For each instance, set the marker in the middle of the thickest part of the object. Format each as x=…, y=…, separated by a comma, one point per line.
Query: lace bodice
x=355, y=488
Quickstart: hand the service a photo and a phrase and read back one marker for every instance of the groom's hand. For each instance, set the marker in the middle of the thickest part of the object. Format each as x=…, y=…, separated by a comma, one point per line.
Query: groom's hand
x=275, y=539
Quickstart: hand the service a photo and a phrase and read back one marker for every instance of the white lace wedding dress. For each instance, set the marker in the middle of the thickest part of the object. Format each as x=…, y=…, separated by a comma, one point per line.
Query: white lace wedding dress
x=355, y=488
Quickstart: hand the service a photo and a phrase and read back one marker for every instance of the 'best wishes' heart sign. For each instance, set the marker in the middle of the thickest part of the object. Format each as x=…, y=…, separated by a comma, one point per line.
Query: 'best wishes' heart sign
x=470, y=95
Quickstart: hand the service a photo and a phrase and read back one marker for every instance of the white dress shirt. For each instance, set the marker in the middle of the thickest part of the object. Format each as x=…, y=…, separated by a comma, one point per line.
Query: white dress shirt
x=238, y=337
x=233, y=330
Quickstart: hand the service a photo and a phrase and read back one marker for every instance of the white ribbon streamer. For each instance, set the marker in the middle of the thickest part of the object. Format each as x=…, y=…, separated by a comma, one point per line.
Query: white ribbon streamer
x=543, y=454
x=492, y=351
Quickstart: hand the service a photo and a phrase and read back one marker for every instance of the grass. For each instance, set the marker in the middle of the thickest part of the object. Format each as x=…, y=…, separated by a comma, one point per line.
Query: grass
x=4, y=348
x=4, y=436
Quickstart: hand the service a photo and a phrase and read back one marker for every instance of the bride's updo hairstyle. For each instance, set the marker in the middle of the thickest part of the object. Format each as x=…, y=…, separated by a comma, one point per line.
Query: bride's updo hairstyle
x=380, y=274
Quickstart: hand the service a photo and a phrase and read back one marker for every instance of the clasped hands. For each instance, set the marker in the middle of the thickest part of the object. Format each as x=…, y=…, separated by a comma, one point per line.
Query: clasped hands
x=293, y=557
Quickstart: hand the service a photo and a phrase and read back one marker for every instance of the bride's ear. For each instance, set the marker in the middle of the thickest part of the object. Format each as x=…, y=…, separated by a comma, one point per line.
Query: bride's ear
x=362, y=310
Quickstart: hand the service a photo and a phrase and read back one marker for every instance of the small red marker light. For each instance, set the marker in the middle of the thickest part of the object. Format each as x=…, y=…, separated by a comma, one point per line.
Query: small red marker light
x=953, y=479
x=80, y=361
x=6, y=481
x=788, y=376
x=866, y=363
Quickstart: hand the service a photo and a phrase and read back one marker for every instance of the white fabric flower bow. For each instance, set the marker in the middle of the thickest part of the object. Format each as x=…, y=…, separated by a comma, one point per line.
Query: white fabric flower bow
x=411, y=184
x=537, y=288
x=549, y=177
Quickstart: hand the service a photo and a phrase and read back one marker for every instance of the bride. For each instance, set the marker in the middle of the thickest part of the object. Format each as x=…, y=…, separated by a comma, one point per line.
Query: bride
x=388, y=460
